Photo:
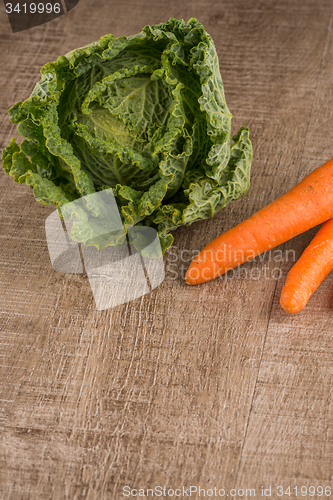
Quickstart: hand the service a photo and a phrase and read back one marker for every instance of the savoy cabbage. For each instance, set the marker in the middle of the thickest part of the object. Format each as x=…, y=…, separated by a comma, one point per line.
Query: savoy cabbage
x=144, y=115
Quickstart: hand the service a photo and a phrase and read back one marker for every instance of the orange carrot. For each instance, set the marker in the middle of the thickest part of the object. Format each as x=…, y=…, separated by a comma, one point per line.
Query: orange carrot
x=307, y=204
x=315, y=263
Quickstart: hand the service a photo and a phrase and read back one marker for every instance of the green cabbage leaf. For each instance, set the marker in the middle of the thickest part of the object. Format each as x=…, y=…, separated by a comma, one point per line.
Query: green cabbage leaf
x=144, y=115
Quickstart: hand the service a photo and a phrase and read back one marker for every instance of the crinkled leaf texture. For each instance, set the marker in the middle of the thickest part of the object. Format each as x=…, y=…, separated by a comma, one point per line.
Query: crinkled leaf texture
x=144, y=115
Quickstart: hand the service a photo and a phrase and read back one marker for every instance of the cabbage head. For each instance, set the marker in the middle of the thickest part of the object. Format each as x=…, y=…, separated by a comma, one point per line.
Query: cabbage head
x=144, y=115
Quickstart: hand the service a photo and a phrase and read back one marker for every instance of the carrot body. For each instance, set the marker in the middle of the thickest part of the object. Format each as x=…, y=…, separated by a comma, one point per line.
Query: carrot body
x=315, y=263
x=307, y=204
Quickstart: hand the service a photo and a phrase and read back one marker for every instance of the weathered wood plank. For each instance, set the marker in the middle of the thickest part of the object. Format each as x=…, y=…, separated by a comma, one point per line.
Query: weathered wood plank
x=289, y=436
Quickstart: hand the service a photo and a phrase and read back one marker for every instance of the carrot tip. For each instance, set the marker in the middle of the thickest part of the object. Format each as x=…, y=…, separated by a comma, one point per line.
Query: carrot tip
x=291, y=305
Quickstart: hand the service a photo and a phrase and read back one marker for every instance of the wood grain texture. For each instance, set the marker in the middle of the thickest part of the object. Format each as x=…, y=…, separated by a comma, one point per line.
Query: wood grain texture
x=213, y=386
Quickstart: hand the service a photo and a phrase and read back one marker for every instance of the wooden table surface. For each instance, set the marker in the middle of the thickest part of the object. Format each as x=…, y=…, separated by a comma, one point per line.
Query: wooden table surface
x=212, y=386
